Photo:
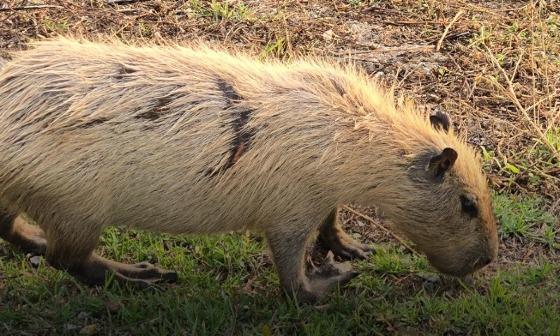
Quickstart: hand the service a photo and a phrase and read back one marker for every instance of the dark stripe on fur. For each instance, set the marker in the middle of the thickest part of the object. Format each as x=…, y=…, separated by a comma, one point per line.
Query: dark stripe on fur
x=160, y=107
x=243, y=135
x=123, y=71
x=338, y=87
x=93, y=123
x=150, y=115
x=7, y=80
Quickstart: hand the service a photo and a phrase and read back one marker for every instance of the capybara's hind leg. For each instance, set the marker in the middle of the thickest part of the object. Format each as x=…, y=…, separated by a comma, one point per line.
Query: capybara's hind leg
x=74, y=253
x=15, y=229
x=97, y=269
x=332, y=236
x=288, y=248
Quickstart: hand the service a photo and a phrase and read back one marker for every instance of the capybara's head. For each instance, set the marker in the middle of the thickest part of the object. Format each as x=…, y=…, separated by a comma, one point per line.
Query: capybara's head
x=445, y=206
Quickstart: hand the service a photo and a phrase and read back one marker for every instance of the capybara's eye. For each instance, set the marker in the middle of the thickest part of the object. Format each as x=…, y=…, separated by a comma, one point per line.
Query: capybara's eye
x=469, y=206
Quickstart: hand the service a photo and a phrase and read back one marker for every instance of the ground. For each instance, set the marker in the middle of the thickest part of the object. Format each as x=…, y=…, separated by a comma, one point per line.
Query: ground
x=492, y=65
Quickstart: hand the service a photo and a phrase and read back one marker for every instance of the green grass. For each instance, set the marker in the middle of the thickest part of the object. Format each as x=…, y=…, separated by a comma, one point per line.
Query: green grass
x=522, y=217
x=221, y=10
x=275, y=48
x=54, y=26
x=227, y=285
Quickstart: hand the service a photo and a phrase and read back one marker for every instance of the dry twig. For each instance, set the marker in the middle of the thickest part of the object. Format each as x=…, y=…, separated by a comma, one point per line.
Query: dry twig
x=446, y=31
x=119, y=2
x=371, y=220
x=21, y=8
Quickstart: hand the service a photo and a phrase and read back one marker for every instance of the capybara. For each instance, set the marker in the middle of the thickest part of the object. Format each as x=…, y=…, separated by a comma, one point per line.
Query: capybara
x=196, y=140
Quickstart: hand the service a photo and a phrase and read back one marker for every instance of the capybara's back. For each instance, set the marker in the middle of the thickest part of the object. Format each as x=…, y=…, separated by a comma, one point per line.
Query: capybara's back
x=193, y=140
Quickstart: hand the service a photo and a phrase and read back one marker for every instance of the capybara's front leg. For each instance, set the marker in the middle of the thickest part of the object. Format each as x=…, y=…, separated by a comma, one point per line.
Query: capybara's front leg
x=288, y=246
x=15, y=230
x=332, y=236
x=70, y=248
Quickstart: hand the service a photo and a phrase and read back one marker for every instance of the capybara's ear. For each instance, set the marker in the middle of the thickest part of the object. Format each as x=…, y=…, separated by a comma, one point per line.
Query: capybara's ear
x=440, y=121
x=441, y=163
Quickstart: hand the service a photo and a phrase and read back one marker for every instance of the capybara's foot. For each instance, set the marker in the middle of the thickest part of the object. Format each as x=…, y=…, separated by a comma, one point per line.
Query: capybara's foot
x=341, y=244
x=319, y=287
x=288, y=246
x=326, y=278
x=98, y=269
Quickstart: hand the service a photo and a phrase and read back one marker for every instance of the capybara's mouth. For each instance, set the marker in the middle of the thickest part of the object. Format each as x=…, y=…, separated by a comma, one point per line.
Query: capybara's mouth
x=461, y=271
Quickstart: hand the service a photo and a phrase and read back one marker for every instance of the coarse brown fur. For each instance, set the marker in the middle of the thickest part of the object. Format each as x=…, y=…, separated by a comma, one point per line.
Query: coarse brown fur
x=194, y=140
